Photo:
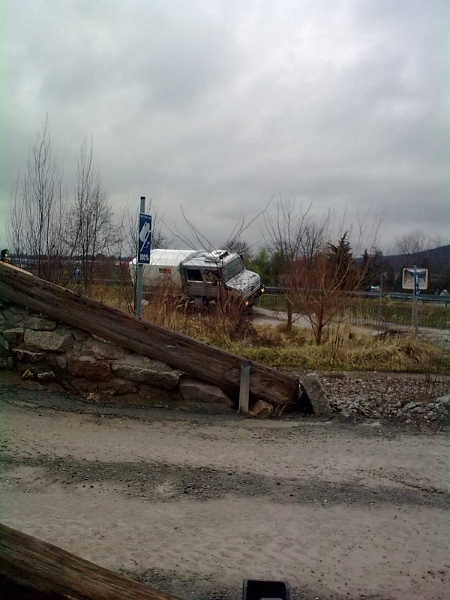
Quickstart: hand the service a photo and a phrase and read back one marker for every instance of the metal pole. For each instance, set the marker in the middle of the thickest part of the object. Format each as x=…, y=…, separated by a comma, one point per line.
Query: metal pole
x=140, y=268
x=380, y=300
x=244, y=389
x=415, y=304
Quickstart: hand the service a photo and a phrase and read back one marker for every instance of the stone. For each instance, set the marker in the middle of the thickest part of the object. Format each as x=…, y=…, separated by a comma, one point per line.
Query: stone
x=102, y=349
x=48, y=340
x=89, y=368
x=2, y=319
x=40, y=323
x=261, y=409
x=135, y=360
x=12, y=317
x=315, y=393
x=150, y=395
x=28, y=374
x=13, y=336
x=119, y=387
x=79, y=335
x=410, y=405
x=6, y=363
x=46, y=376
x=205, y=408
x=94, y=397
x=141, y=369
x=444, y=400
x=4, y=346
x=193, y=390
x=346, y=413
x=27, y=355
x=77, y=347
x=57, y=360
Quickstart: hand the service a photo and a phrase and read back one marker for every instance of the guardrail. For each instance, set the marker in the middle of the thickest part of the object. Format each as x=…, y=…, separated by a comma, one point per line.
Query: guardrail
x=371, y=308
x=273, y=290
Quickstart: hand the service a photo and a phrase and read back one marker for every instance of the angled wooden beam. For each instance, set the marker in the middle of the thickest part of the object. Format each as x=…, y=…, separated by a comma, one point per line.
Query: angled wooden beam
x=199, y=360
x=32, y=568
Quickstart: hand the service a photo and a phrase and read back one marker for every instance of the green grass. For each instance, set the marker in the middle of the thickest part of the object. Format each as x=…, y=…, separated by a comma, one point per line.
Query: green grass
x=399, y=312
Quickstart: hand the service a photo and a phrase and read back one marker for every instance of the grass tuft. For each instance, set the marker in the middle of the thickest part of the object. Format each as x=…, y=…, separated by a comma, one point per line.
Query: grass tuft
x=343, y=348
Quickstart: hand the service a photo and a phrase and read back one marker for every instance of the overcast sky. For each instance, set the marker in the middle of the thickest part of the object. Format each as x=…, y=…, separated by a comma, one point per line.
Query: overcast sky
x=217, y=106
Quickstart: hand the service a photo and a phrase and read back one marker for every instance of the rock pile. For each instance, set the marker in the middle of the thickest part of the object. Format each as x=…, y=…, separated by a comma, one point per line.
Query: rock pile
x=406, y=398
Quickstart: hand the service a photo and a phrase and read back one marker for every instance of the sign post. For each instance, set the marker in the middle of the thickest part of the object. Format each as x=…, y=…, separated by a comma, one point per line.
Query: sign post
x=415, y=279
x=380, y=299
x=415, y=314
x=144, y=242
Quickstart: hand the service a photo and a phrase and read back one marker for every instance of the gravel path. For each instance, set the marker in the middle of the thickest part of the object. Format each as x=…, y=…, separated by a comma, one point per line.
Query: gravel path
x=195, y=503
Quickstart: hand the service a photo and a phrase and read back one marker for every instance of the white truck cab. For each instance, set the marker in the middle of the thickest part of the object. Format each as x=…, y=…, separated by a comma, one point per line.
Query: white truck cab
x=201, y=276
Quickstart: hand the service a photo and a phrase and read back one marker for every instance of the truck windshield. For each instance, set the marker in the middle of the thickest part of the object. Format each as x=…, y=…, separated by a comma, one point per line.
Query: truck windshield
x=233, y=268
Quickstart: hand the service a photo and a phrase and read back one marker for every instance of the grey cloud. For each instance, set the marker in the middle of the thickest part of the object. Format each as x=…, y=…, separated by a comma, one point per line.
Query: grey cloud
x=217, y=106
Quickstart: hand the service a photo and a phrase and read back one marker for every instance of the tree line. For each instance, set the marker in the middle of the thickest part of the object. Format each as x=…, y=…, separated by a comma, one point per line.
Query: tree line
x=319, y=262
x=60, y=236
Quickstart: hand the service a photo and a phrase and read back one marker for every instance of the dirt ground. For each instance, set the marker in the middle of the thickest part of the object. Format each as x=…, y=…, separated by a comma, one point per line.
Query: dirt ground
x=195, y=503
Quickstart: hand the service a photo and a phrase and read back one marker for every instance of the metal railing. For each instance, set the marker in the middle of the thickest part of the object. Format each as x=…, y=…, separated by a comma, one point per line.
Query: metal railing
x=375, y=309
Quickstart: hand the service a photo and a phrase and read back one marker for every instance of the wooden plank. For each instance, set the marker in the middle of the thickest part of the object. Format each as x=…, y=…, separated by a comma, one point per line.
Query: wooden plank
x=199, y=360
x=32, y=565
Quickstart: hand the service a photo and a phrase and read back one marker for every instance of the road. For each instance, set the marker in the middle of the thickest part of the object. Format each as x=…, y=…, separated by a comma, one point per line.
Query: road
x=195, y=503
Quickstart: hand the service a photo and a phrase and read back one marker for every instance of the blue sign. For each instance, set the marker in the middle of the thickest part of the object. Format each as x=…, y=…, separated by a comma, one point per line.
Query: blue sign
x=77, y=271
x=144, y=239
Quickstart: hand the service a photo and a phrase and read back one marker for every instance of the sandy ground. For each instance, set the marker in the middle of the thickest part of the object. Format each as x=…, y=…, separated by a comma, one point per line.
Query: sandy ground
x=195, y=503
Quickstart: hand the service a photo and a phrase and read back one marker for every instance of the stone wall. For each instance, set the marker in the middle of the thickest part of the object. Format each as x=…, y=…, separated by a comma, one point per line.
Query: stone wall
x=53, y=354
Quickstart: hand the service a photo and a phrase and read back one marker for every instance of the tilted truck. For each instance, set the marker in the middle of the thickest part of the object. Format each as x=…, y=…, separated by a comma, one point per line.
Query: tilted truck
x=201, y=276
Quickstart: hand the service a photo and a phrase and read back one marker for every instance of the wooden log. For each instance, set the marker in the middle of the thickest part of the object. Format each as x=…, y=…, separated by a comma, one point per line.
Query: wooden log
x=40, y=570
x=199, y=360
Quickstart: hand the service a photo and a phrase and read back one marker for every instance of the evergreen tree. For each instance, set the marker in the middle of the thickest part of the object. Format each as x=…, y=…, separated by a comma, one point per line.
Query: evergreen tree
x=340, y=262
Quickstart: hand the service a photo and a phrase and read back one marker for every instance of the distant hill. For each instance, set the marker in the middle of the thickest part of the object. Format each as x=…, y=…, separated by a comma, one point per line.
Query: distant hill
x=436, y=259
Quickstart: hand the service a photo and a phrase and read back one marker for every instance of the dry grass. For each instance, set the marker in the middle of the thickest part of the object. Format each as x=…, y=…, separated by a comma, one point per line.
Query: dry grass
x=342, y=348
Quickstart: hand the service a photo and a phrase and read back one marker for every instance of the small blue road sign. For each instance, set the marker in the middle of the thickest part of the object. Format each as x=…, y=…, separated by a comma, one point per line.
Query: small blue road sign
x=144, y=239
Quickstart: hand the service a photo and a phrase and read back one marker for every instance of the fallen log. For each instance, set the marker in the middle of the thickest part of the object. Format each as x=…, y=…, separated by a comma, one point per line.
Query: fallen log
x=199, y=360
x=31, y=568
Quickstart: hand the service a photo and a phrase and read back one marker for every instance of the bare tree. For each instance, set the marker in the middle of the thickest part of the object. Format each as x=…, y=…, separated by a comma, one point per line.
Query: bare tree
x=240, y=247
x=318, y=276
x=293, y=236
x=413, y=243
x=322, y=283
x=38, y=215
x=92, y=233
